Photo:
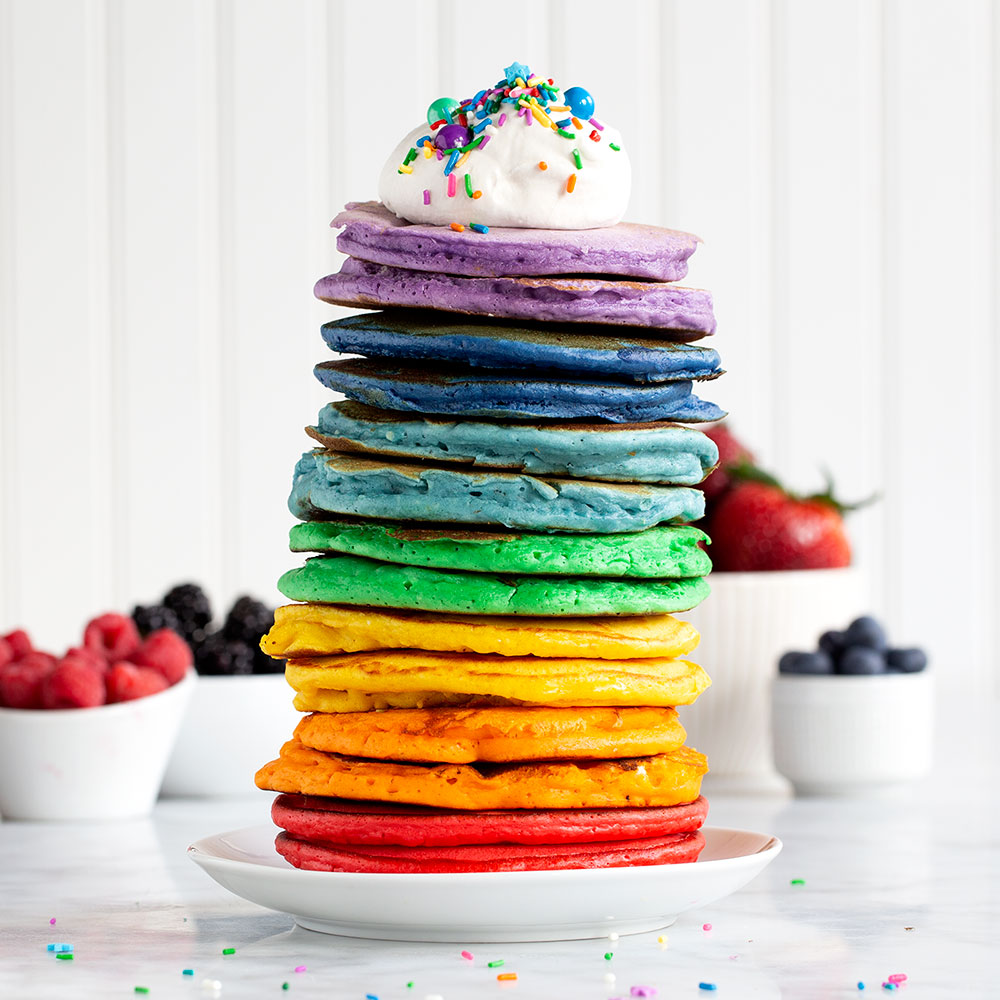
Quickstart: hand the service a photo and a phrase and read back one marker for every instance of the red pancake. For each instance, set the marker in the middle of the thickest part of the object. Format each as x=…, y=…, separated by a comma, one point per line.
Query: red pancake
x=343, y=821
x=674, y=849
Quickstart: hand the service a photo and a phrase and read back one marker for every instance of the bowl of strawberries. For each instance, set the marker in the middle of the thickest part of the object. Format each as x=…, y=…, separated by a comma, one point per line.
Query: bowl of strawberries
x=87, y=735
x=782, y=573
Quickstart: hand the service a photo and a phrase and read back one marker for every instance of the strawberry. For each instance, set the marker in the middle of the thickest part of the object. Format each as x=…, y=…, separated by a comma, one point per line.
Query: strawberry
x=731, y=452
x=759, y=525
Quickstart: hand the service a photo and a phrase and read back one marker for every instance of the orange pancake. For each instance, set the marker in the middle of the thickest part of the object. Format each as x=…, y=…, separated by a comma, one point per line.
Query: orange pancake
x=665, y=779
x=498, y=735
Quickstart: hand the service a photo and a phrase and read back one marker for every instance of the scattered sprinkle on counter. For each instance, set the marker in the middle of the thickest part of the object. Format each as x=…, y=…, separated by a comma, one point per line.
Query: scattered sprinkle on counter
x=613, y=936
x=187, y=972
x=300, y=968
x=506, y=977
x=494, y=964
x=707, y=986
x=861, y=985
x=142, y=989
x=467, y=955
x=609, y=978
x=898, y=977
x=66, y=956
x=662, y=941
x=706, y=927
x=608, y=955
x=643, y=991
x=52, y=921
x=285, y=986
x=58, y=947
x=797, y=881
x=228, y=951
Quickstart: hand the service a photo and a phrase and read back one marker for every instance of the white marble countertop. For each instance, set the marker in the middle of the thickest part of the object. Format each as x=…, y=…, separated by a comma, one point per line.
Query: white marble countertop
x=906, y=884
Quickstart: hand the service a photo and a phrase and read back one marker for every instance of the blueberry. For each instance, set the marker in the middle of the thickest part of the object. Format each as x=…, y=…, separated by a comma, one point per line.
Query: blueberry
x=805, y=663
x=865, y=631
x=861, y=660
x=832, y=643
x=906, y=661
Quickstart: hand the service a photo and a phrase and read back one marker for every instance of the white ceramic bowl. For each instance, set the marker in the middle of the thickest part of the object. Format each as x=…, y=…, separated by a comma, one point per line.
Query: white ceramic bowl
x=837, y=735
x=233, y=726
x=746, y=623
x=89, y=763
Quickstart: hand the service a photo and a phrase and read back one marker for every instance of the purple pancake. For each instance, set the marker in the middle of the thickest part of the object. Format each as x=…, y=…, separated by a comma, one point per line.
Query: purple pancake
x=683, y=313
x=371, y=232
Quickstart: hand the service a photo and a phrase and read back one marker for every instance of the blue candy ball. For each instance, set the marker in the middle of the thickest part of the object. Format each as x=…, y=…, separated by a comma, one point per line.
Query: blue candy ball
x=580, y=102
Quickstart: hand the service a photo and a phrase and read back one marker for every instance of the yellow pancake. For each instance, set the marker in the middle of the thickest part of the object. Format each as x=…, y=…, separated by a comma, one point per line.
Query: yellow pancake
x=498, y=735
x=408, y=678
x=326, y=629
x=666, y=779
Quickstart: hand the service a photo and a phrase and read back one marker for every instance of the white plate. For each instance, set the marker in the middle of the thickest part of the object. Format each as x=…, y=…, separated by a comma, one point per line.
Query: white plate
x=492, y=906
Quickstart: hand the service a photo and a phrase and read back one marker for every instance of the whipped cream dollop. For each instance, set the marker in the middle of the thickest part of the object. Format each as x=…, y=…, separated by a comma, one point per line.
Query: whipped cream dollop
x=533, y=163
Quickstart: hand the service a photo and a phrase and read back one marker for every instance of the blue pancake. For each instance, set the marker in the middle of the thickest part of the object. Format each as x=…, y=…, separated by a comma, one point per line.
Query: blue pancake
x=462, y=391
x=645, y=453
x=327, y=485
x=421, y=335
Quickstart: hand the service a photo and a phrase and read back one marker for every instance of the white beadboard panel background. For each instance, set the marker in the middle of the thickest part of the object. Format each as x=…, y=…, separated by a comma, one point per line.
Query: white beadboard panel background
x=166, y=179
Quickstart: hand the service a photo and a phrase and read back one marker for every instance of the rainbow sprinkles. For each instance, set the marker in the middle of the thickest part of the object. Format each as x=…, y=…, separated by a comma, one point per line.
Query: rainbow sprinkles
x=458, y=132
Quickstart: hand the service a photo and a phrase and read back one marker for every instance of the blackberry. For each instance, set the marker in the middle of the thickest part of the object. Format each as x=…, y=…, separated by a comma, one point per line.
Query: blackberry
x=191, y=605
x=247, y=621
x=217, y=656
x=264, y=664
x=149, y=618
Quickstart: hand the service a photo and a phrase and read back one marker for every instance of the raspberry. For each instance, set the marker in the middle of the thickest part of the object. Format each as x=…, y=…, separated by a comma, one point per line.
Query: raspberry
x=73, y=684
x=19, y=643
x=21, y=680
x=165, y=651
x=247, y=621
x=126, y=682
x=218, y=655
x=112, y=635
x=190, y=603
x=154, y=616
x=91, y=657
x=6, y=653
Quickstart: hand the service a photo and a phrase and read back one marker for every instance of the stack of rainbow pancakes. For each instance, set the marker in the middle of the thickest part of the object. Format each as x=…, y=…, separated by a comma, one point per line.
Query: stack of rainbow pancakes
x=498, y=516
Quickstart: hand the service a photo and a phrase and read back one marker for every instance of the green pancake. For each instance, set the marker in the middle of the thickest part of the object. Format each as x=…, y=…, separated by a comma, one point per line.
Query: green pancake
x=352, y=580
x=671, y=552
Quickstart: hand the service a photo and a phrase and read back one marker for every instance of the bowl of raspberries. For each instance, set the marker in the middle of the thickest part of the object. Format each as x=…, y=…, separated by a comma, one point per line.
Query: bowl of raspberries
x=854, y=714
x=241, y=709
x=87, y=735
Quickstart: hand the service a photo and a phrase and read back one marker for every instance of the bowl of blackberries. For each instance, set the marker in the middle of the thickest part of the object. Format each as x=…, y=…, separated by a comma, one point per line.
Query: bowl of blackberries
x=854, y=715
x=241, y=709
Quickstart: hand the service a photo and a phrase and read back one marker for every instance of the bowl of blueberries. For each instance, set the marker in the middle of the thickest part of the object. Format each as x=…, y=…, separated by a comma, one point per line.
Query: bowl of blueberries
x=241, y=710
x=854, y=716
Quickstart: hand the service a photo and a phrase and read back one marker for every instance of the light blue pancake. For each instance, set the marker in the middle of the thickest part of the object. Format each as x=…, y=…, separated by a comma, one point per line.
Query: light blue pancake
x=425, y=335
x=464, y=391
x=327, y=484
x=642, y=453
